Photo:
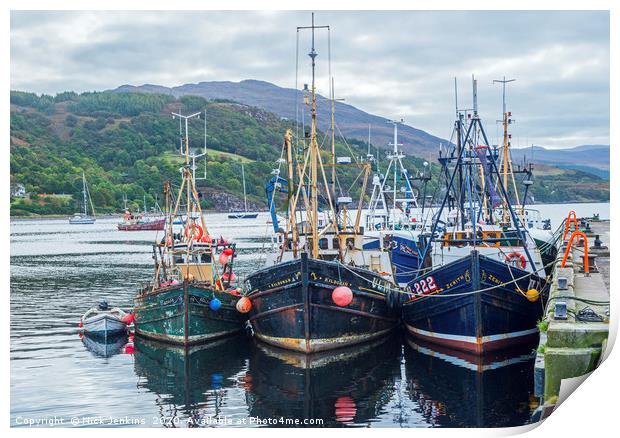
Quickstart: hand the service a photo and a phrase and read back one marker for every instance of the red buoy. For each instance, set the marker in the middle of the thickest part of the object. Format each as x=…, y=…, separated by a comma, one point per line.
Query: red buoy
x=229, y=251
x=81, y=324
x=229, y=276
x=342, y=296
x=223, y=259
x=345, y=409
x=128, y=319
x=244, y=305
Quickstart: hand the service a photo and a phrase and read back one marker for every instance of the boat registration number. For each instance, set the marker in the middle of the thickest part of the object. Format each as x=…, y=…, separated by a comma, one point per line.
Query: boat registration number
x=425, y=286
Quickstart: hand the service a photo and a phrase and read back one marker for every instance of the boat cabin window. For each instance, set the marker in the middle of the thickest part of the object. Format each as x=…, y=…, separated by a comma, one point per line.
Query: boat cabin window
x=323, y=243
x=350, y=242
x=335, y=243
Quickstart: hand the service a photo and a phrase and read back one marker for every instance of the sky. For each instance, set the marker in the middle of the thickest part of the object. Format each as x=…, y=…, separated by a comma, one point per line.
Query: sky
x=398, y=64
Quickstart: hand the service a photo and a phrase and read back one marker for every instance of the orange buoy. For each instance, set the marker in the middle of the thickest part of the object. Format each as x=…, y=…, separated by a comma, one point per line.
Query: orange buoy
x=244, y=305
x=342, y=296
x=532, y=295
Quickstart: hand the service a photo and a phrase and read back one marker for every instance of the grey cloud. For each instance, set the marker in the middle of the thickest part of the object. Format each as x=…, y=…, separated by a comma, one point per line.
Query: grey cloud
x=393, y=64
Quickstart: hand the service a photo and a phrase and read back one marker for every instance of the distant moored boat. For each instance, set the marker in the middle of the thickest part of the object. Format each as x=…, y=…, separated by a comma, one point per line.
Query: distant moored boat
x=243, y=214
x=83, y=217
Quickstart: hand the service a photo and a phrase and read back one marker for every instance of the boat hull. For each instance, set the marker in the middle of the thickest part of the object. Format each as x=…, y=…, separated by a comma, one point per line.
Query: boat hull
x=292, y=305
x=243, y=216
x=103, y=326
x=405, y=259
x=181, y=314
x=154, y=225
x=453, y=314
x=548, y=253
x=82, y=221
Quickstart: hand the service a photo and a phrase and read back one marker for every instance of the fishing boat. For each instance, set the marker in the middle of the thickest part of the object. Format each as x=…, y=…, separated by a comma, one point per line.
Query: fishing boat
x=104, y=321
x=319, y=289
x=137, y=222
x=141, y=221
x=83, y=218
x=191, y=297
x=484, y=285
x=243, y=214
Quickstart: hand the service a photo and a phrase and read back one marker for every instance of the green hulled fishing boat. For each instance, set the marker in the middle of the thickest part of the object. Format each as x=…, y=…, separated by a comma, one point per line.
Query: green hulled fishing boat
x=192, y=297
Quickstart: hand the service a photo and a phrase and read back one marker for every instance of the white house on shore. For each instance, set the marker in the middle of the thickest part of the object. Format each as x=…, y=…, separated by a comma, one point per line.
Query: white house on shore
x=18, y=190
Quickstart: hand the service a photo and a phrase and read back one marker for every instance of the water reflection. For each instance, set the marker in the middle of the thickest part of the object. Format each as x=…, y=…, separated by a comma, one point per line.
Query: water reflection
x=110, y=346
x=349, y=386
x=190, y=383
x=456, y=389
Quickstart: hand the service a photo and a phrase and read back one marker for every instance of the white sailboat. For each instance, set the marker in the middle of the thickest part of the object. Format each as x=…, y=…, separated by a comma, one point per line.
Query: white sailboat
x=243, y=214
x=83, y=217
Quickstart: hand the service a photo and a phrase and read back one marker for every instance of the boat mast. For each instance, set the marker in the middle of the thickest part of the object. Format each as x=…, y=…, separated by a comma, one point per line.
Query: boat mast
x=506, y=164
x=333, y=99
x=458, y=126
x=288, y=143
x=84, y=192
x=192, y=199
x=396, y=170
x=314, y=151
x=314, y=158
x=245, y=201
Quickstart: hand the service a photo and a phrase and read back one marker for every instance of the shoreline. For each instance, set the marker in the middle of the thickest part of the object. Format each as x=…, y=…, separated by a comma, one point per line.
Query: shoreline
x=120, y=215
x=101, y=216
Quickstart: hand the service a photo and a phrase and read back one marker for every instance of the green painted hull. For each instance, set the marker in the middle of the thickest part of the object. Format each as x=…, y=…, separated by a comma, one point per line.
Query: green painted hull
x=164, y=315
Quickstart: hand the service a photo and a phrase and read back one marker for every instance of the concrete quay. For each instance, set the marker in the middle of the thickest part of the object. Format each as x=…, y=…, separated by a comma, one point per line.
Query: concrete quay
x=575, y=328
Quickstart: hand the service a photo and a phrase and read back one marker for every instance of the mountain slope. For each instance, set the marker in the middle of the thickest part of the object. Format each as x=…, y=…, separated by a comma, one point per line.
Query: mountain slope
x=127, y=144
x=353, y=122
x=593, y=159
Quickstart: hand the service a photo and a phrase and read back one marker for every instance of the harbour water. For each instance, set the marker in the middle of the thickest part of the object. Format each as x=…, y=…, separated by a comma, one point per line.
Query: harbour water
x=59, y=378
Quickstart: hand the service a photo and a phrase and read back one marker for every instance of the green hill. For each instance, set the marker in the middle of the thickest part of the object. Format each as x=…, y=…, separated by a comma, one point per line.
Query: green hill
x=127, y=144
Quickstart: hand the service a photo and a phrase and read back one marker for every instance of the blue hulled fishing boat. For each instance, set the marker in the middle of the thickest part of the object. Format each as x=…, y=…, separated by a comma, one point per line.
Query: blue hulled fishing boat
x=483, y=284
